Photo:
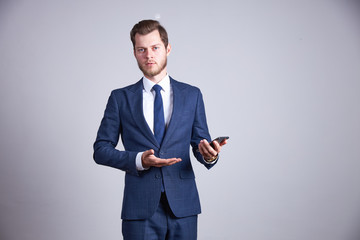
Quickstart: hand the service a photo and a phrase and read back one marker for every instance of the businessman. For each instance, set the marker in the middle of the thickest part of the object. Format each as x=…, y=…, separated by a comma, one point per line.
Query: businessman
x=158, y=119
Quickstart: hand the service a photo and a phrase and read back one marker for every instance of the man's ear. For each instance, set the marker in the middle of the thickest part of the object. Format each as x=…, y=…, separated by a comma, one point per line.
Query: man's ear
x=168, y=49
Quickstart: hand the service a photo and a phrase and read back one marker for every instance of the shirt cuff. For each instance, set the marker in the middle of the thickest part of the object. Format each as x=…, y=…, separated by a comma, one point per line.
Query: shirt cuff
x=139, y=165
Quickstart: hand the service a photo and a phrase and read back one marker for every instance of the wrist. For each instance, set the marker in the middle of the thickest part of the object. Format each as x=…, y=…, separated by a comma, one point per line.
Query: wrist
x=139, y=162
x=211, y=159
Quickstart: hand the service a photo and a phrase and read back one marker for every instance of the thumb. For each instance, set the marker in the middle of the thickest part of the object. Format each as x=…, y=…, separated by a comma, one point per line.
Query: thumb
x=149, y=152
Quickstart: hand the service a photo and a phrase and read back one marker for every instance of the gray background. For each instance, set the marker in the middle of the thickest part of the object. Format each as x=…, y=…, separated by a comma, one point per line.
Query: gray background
x=281, y=78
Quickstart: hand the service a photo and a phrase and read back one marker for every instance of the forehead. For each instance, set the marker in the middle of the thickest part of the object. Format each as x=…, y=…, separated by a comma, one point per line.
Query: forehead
x=147, y=40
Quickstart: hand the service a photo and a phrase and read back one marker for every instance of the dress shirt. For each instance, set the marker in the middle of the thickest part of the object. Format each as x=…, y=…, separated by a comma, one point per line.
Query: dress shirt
x=148, y=106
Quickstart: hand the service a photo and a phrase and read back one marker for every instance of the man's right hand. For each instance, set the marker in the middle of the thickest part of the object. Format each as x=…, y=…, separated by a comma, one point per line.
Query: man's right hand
x=148, y=159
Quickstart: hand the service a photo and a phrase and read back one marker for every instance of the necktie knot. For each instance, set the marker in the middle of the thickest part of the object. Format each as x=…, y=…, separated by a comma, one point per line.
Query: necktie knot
x=157, y=88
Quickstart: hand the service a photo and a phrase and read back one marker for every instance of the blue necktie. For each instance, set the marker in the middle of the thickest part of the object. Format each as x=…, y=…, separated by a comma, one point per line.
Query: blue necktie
x=159, y=121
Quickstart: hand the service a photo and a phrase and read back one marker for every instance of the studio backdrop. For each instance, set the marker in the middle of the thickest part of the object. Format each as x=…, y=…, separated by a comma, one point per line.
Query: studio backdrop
x=281, y=78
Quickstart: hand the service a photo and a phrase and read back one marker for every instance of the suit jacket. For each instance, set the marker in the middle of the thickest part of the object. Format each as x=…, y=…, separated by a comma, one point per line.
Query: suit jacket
x=124, y=117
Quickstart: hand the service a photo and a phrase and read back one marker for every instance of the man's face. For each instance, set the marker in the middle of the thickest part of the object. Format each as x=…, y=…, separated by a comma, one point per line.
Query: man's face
x=151, y=54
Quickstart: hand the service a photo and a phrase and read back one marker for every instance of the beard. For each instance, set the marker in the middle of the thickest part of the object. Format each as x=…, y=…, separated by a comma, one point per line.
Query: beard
x=154, y=71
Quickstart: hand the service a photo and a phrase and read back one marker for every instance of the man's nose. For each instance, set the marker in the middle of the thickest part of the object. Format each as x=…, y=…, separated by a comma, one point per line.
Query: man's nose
x=149, y=54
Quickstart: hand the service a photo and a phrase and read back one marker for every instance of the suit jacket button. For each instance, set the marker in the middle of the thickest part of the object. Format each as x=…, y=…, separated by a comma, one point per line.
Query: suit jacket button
x=158, y=176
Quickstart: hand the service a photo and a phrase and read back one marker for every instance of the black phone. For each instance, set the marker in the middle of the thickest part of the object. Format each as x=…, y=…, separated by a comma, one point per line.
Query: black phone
x=219, y=140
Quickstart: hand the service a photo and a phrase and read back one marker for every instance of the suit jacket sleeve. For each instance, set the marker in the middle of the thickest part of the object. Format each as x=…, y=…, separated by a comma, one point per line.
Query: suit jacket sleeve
x=107, y=139
x=200, y=131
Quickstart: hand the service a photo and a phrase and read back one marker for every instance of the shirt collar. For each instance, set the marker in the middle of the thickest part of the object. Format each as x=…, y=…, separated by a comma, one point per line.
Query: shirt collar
x=164, y=83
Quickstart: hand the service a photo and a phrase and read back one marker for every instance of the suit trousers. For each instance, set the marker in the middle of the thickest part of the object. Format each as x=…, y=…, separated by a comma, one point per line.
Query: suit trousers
x=163, y=225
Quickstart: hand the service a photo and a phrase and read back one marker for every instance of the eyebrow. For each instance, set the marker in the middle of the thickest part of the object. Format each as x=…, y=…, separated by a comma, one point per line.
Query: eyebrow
x=155, y=45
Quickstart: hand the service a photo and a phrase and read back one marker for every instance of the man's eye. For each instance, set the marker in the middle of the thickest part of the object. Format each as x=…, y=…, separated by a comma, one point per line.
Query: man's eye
x=156, y=48
x=141, y=50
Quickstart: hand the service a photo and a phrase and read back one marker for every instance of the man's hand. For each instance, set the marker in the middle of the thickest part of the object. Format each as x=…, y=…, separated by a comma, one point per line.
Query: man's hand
x=207, y=151
x=148, y=159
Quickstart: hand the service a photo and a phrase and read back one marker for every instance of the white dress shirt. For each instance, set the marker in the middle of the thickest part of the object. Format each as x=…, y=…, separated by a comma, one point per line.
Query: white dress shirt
x=148, y=106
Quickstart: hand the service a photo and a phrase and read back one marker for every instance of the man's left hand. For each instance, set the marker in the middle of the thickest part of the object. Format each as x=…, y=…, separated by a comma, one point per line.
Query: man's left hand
x=207, y=151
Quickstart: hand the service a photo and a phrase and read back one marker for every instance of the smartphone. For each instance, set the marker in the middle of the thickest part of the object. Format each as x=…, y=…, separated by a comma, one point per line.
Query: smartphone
x=219, y=140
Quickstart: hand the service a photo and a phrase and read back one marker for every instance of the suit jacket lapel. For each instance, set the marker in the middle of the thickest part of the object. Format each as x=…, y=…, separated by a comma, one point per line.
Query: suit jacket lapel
x=135, y=99
x=177, y=110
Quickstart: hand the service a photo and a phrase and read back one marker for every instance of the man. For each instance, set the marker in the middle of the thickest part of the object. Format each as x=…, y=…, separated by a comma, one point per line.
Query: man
x=158, y=118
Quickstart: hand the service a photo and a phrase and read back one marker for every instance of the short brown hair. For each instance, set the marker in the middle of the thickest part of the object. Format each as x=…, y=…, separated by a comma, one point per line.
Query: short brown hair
x=147, y=26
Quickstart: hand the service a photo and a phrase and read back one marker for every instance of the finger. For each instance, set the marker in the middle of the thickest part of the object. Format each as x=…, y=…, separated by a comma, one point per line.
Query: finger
x=210, y=149
x=166, y=162
x=172, y=161
x=207, y=151
x=217, y=147
x=223, y=142
x=202, y=148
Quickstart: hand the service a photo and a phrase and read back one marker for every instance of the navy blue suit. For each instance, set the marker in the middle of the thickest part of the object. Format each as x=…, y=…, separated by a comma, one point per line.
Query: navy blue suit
x=124, y=117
